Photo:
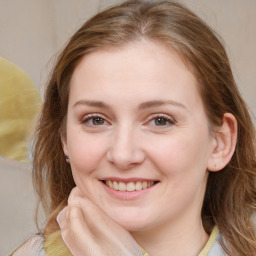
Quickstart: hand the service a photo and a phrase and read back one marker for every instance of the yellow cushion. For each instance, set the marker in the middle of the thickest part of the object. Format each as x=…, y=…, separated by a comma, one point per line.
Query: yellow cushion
x=19, y=104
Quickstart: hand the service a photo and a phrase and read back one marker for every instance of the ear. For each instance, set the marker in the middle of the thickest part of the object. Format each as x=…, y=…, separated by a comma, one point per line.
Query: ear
x=64, y=144
x=225, y=138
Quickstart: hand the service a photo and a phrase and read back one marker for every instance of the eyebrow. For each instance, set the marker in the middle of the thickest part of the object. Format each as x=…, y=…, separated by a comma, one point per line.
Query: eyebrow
x=158, y=103
x=92, y=103
x=142, y=106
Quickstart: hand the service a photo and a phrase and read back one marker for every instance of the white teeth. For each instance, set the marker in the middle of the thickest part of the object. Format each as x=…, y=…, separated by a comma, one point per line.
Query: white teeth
x=121, y=186
x=115, y=185
x=130, y=186
x=110, y=184
x=138, y=186
x=144, y=184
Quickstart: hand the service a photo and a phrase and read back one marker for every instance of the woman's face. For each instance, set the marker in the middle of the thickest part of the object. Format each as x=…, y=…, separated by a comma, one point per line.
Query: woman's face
x=138, y=137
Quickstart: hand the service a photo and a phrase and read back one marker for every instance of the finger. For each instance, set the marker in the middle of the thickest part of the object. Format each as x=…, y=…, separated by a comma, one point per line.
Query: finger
x=77, y=223
x=97, y=221
x=92, y=213
x=89, y=209
x=75, y=196
x=78, y=199
x=76, y=232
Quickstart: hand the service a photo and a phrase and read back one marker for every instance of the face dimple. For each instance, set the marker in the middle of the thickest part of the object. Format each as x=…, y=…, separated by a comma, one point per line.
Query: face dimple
x=136, y=126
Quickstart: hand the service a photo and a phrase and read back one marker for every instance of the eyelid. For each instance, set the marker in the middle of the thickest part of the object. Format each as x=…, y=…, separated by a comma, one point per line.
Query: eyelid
x=86, y=116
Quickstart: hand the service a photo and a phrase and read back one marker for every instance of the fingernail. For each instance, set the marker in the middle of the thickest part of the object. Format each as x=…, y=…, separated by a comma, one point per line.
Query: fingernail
x=59, y=215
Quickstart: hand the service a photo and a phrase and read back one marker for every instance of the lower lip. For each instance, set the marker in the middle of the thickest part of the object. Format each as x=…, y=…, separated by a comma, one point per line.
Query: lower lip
x=127, y=195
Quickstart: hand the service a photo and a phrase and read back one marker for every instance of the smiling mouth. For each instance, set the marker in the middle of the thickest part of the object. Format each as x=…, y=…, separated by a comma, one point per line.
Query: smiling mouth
x=129, y=186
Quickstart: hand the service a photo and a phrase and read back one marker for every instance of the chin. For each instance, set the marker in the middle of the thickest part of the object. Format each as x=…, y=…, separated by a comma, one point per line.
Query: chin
x=131, y=221
x=133, y=226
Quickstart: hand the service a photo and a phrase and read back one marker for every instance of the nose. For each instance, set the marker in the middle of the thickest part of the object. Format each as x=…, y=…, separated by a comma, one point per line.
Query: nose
x=124, y=151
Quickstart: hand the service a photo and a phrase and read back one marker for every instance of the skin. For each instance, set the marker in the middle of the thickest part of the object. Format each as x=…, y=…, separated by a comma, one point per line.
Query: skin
x=135, y=113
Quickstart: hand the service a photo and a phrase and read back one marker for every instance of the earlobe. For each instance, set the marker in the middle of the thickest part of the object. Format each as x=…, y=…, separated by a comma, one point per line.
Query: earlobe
x=224, y=143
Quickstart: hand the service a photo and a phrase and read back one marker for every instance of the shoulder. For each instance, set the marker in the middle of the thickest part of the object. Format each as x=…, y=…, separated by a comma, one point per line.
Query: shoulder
x=31, y=247
x=217, y=248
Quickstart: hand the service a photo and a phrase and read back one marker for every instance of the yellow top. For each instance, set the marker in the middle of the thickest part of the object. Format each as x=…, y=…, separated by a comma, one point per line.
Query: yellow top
x=55, y=246
x=210, y=242
x=19, y=104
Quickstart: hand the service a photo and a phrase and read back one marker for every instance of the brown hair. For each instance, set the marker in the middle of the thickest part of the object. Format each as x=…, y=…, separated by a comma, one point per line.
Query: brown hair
x=230, y=195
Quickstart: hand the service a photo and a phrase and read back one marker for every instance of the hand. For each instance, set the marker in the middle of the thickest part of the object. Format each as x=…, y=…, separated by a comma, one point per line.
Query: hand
x=88, y=231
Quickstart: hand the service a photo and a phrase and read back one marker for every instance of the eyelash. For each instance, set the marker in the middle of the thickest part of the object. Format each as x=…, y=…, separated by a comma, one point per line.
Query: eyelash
x=153, y=118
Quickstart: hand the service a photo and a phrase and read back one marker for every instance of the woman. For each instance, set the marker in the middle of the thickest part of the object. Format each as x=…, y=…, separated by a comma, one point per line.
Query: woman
x=144, y=145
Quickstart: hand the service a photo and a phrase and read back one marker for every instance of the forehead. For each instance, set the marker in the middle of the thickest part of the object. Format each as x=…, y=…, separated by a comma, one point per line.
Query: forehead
x=143, y=68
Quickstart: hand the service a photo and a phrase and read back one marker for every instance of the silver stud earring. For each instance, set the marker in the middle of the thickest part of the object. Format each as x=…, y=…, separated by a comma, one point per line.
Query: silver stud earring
x=67, y=159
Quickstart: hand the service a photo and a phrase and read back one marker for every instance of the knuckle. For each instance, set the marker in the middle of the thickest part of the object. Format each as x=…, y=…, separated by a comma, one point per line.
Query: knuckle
x=75, y=212
x=74, y=198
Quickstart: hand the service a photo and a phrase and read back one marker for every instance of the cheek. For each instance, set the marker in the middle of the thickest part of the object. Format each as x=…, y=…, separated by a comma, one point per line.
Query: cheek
x=178, y=154
x=86, y=152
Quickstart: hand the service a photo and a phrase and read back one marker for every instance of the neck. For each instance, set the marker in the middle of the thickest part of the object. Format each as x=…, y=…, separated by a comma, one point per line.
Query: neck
x=177, y=239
